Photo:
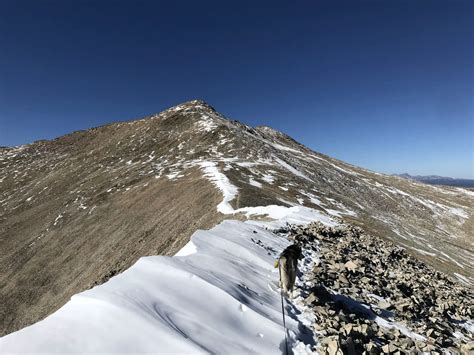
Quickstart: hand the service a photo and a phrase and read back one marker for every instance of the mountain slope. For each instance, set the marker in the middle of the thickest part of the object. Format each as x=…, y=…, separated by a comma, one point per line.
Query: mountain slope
x=81, y=208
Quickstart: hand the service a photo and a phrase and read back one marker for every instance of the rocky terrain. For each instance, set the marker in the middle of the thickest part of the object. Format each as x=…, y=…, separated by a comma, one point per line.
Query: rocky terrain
x=81, y=208
x=360, y=283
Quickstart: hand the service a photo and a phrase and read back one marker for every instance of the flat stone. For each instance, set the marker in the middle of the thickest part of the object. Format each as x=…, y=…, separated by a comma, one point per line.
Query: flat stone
x=386, y=349
x=333, y=347
x=351, y=265
x=384, y=304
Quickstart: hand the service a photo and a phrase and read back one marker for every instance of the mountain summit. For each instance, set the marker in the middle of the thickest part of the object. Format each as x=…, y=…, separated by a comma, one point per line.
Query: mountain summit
x=81, y=208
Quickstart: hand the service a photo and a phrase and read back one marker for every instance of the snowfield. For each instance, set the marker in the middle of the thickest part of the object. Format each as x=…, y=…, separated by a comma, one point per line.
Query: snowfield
x=219, y=294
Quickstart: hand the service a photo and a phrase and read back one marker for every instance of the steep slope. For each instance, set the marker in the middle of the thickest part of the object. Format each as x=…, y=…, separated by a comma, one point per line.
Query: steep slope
x=81, y=208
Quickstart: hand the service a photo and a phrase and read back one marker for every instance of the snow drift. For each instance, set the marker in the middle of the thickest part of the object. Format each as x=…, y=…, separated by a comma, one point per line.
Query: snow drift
x=219, y=294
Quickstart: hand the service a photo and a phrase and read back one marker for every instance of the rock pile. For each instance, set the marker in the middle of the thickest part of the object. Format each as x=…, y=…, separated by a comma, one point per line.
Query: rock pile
x=372, y=297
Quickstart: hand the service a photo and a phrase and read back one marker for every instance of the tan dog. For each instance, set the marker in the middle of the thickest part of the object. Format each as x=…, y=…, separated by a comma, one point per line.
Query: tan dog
x=288, y=267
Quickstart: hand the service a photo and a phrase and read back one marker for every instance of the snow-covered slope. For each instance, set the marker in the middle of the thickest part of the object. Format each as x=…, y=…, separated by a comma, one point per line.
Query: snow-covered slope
x=219, y=294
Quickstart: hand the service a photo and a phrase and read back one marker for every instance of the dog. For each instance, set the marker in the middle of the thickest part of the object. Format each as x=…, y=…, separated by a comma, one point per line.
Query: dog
x=288, y=267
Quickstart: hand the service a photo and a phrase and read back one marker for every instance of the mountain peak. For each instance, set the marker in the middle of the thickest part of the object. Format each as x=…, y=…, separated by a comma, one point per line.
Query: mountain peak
x=194, y=104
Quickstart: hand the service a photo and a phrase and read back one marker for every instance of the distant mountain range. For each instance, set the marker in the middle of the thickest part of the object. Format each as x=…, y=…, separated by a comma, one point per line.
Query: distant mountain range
x=439, y=180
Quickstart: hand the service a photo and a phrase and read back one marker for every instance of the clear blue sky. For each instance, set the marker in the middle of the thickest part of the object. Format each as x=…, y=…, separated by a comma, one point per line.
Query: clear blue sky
x=386, y=85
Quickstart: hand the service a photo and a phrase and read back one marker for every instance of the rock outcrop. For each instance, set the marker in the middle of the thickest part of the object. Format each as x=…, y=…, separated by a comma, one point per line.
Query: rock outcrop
x=371, y=296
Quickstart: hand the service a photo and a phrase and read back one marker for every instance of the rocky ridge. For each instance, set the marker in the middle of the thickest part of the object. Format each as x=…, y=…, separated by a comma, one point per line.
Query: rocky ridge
x=370, y=296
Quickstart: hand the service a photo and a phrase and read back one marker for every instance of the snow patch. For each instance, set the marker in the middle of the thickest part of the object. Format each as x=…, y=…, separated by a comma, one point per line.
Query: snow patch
x=268, y=178
x=424, y=252
x=291, y=169
x=56, y=221
x=463, y=279
x=206, y=124
x=255, y=183
x=222, y=183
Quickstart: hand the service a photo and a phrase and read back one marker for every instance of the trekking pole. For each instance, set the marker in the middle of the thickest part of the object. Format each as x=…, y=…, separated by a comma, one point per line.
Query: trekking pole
x=283, y=311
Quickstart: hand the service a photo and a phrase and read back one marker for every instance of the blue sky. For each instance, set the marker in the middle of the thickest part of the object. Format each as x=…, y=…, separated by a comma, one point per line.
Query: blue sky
x=387, y=85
